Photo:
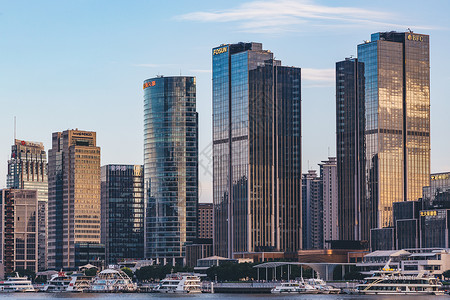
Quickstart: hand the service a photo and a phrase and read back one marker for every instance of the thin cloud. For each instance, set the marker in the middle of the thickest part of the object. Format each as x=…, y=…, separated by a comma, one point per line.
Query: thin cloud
x=153, y=65
x=323, y=75
x=289, y=15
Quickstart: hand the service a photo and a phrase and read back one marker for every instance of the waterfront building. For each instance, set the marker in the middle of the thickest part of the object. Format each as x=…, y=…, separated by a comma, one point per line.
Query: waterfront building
x=328, y=174
x=122, y=212
x=396, y=133
x=73, y=199
x=256, y=151
x=19, y=229
x=412, y=261
x=170, y=167
x=397, y=116
x=350, y=149
x=27, y=169
x=205, y=221
x=312, y=211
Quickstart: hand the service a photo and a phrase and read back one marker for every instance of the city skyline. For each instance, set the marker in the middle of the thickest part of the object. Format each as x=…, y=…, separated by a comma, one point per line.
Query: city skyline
x=77, y=55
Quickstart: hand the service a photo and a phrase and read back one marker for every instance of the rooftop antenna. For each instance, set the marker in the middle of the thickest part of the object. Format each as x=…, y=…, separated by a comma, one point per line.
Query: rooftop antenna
x=410, y=31
x=14, y=130
x=328, y=151
x=180, y=72
x=308, y=164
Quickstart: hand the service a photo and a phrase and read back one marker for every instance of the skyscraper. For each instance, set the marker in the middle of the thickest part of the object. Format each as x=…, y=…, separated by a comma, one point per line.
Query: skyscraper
x=350, y=149
x=397, y=117
x=396, y=131
x=256, y=151
x=27, y=169
x=328, y=174
x=74, y=199
x=170, y=167
x=312, y=211
x=122, y=219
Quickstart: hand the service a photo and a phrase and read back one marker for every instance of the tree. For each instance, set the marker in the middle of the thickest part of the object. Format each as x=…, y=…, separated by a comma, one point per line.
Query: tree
x=354, y=275
x=446, y=274
x=90, y=272
x=128, y=271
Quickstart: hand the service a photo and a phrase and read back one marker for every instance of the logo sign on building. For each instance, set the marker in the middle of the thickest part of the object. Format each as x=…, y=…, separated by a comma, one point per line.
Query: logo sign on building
x=415, y=37
x=220, y=50
x=428, y=213
x=148, y=84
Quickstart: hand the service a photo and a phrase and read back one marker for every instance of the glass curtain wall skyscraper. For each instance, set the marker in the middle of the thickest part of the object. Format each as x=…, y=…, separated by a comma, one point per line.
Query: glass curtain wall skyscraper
x=397, y=122
x=122, y=197
x=350, y=149
x=170, y=167
x=27, y=169
x=256, y=151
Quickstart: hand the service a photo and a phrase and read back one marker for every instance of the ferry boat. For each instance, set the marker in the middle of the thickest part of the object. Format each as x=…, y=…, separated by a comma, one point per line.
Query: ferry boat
x=321, y=286
x=67, y=283
x=179, y=283
x=286, y=288
x=112, y=281
x=16, y=284
x=394, y=282
x=295, y=287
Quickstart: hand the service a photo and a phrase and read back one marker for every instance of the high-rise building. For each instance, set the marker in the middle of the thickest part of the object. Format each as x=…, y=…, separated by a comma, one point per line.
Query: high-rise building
x=170, y=167
x=73, y=199
x=350, y=149
x=328, y=174
x=312, y=211
x=256, y=151
x=122, y=218
x=397, y=116
x=396, y=132
x=27, y=169
x=19, y=225
x=205, y=221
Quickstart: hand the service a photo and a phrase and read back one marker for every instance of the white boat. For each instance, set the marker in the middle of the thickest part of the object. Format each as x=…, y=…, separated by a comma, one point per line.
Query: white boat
x=286, y=288
x=182, y=283
x=66, y=283
x=16, y=284
x=322, y=287
x=112, y=280
x=394, y=282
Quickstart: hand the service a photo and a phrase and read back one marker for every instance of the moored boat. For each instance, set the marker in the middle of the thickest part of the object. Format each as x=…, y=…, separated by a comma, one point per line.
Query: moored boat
x=16, y=284
x=182, y=283
x=112, y=281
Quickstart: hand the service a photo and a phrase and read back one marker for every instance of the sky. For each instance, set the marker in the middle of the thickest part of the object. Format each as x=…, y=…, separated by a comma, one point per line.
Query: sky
x=81, y=64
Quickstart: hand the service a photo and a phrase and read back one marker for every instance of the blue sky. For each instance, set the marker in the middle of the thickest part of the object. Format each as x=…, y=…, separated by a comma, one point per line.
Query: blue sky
x=81, y=64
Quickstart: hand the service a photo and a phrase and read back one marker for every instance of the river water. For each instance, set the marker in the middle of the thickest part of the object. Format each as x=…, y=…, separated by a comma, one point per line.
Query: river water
x=153, y=296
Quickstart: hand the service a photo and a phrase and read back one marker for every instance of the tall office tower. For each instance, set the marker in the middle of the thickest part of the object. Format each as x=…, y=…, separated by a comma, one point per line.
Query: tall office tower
x=397, y=118
x=170, y=167
x=27, y=169
x=205, y=221
x=122, y=218
x=19, y=225
x=256, y=151
x=73, y=199
x=350, y=149
x=312, y=211
x=328, y=174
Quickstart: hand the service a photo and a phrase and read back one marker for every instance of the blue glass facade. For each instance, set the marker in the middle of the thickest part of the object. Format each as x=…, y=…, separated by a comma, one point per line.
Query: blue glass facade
x=170, y=166
x=256, y=108
x=122, y=206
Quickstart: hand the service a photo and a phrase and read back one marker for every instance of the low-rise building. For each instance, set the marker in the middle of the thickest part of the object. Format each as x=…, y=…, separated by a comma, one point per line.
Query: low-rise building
x=412, y=261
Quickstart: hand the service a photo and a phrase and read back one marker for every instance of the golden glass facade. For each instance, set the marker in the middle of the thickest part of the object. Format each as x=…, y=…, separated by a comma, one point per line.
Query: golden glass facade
x=397, y=118
x=74, y=195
